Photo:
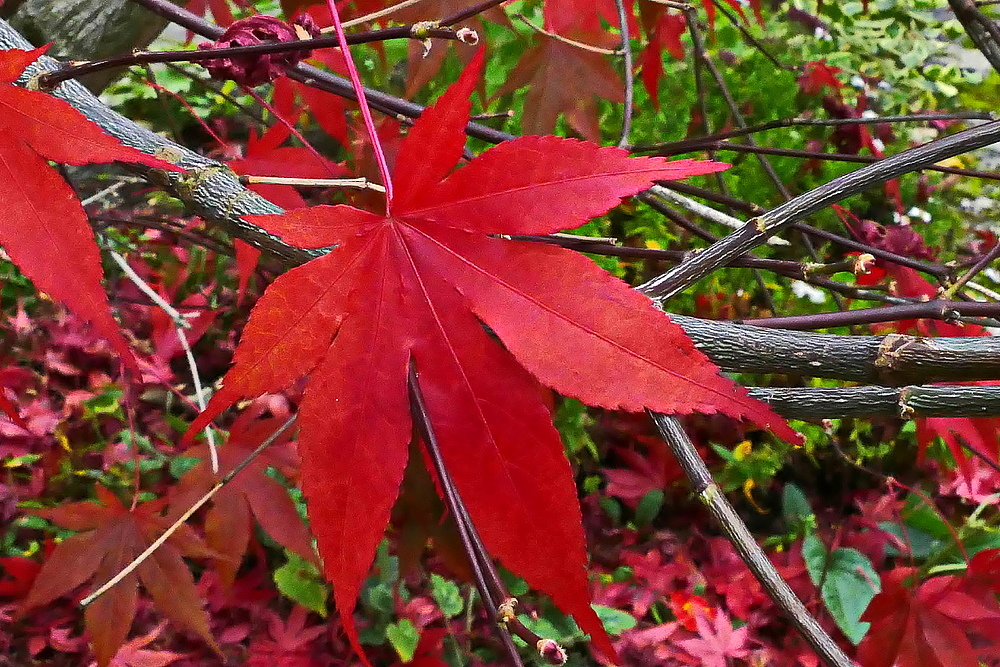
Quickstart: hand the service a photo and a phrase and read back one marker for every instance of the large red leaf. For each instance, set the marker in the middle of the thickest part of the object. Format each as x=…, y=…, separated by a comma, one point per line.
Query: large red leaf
x=416, y=285
x=44, y=228
x=113, y=535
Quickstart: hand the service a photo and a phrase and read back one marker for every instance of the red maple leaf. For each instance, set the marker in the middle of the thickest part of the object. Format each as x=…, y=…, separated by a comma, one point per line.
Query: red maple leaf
x=415, y=285
x=717, y=641
x=563, y=79
x=288, y=643
x=252, y=492
x=44, y=228
x=930, y=625
x=111, y=536
x=135, y=654
x=21, y=573
x=663, y=30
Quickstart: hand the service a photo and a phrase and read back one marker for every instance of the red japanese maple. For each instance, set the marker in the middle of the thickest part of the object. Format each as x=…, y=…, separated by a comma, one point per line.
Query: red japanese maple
x=415, y=286
x=44, y=228
x=947, y=621
x=111, y=536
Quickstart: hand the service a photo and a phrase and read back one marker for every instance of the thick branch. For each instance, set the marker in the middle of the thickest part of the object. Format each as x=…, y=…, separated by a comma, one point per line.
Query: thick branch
x=892, y=360
x=982, y=30
x=210, y=188
x=905, y=402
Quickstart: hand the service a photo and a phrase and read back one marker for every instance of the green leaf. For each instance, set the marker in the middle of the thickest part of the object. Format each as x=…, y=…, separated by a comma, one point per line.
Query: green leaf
x=921, y=544
x=403, y=636
x=648, y=507
x=541, y=626
x=300, y=581
x=815, y=555
x=794, y=504
x=379, y=597
x=181, y=464
x=849, y=582
x=445, y=592
x=615, y=621
x=515, y=585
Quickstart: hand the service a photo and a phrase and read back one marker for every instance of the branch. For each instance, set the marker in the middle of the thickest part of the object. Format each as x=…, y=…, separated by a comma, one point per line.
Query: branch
x=387, y=104
x=219, y=197
x=891, y=360
x=210, y=188
x=948, y=311
x=905, y=402
x=983, y=31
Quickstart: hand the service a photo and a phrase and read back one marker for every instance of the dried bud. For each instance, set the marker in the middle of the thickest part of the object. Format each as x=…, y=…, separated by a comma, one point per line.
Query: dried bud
x=551, y=652
x=863, y=264
x=259, y=29
x=505, y=612
x=467, y=36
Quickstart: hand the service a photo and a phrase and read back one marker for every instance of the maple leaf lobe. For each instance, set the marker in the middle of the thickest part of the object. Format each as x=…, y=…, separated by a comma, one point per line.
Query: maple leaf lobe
x=45, y=229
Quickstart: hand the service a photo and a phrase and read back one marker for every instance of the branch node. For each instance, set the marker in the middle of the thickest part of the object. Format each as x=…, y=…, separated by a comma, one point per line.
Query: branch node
x=551, y=652
x=505, y=612
x=467, y=36
x=422, y=29
x=863, y=264
x=889, y=350
x=906, y=411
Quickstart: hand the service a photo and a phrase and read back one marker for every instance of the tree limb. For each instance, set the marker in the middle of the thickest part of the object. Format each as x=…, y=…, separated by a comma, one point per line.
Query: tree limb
x=891, y=360
x=910, y=402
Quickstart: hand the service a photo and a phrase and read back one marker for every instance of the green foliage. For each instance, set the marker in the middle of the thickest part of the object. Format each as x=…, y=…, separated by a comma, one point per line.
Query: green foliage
x=447, y=595
x=847, y=580
x=403, y=636
x=301, y=582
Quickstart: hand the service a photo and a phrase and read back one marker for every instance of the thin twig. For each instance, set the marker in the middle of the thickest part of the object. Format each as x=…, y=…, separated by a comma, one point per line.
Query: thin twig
x=359, y=183
x=158, y=542
x=180, y=324
x=423, y=423
x=705, y=211
x=750, y=38
x=565, y=40
x=948, y=311
x=670, y=147
x=50, y=80
x=391, y=9
x=629, y=77
x=976, y=268
x=781, y=217
x=838, y=157
x=149, y=291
